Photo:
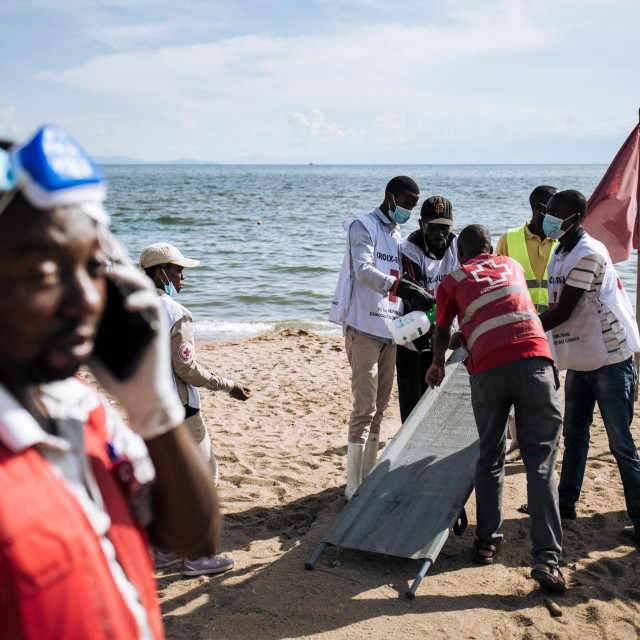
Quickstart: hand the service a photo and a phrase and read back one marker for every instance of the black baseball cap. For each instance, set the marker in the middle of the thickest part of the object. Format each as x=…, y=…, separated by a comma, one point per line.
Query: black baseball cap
x=437, y=210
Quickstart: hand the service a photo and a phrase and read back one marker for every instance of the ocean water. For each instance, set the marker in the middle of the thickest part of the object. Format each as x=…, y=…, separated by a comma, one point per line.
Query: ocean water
x=282, y=273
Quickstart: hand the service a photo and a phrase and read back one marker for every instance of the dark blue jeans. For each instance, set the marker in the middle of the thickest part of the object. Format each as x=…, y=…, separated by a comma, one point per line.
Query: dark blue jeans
x=612, y=387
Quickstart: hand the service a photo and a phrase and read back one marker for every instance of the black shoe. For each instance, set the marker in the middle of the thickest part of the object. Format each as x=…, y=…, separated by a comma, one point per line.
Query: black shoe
x=493, y=549
x=567, y=513
x=636, y=527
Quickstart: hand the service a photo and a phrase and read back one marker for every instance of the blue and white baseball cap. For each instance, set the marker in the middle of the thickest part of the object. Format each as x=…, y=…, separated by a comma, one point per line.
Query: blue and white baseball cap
x=52, y=170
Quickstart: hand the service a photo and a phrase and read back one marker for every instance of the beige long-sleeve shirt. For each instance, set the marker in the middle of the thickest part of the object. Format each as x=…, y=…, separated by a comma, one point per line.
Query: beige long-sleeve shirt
x=186, y=368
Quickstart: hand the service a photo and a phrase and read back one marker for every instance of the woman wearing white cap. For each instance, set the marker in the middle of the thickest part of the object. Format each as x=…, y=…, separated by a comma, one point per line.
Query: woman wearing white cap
x=164, y=264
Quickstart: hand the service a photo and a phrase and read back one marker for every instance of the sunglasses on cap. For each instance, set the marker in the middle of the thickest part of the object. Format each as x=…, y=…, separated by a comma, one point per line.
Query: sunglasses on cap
x=52, y=170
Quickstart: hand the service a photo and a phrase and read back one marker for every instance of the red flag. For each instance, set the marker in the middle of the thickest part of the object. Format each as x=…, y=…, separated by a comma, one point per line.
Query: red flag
x=611, y=210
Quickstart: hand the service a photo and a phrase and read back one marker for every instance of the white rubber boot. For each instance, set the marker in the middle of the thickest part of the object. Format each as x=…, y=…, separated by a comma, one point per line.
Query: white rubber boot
x=355, y=454
x=370, y=454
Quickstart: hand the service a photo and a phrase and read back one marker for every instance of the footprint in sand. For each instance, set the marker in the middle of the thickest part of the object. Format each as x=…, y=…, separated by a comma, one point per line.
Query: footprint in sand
x=524, y=621
x=595, y=572
x=615, y=568
x=593, y=615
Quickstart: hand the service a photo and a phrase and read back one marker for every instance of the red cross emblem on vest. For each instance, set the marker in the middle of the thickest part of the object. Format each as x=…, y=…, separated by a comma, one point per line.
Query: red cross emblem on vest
x=501, y=269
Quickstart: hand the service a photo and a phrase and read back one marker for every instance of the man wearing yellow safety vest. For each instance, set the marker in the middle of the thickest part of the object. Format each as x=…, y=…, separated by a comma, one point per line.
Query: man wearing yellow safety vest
x=529, y=246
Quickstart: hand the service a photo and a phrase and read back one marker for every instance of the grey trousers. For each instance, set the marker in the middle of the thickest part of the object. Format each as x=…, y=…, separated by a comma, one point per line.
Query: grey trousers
x=529, y=386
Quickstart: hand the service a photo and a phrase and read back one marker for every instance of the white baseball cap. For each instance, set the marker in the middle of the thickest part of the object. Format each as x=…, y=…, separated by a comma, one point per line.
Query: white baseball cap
x=164, y=253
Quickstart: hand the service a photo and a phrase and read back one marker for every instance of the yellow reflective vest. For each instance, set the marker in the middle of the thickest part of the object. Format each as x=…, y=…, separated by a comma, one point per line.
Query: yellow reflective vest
x=517, y=247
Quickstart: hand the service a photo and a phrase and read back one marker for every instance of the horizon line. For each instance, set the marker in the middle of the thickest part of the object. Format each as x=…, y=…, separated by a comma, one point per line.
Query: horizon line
x=205, y=163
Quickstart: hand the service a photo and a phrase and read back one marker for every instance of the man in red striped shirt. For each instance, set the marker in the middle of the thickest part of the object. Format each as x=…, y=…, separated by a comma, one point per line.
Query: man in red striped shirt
x=510, y=364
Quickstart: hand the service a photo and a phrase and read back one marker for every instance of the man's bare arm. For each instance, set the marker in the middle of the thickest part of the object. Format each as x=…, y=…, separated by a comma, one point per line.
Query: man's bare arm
x=436, y=371
x=569, y=299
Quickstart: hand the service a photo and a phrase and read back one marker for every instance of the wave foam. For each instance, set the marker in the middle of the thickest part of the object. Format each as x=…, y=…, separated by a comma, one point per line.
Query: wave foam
x=216, y=330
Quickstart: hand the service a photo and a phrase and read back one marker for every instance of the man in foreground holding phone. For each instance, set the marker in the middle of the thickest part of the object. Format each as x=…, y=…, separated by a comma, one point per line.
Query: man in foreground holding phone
x=164, y=264
x=76, y=484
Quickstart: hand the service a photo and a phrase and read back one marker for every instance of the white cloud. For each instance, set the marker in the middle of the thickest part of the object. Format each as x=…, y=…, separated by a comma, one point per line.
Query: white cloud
x=392, y=124
x=317, y=127
x=128, y=35
x=481, y=75
x=354, y=69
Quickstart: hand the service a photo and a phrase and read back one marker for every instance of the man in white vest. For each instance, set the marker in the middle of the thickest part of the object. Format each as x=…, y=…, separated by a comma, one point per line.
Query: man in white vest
x=429, y=255
x=165, y=265
x=365, y=303
x=593, y=332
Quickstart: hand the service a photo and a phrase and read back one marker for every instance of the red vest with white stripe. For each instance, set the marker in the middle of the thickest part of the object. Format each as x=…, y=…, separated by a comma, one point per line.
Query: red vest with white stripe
x=55, y=581
x=495, y=308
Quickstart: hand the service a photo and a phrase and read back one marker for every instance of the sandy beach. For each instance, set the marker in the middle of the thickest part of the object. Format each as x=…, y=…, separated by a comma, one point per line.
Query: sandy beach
x=282, y=470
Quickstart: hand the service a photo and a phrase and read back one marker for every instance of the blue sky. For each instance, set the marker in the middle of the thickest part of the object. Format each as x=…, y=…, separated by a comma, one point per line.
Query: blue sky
x=326, y=81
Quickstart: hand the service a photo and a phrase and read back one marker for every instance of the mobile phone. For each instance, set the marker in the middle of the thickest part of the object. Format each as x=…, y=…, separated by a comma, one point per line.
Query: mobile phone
x=123, y=335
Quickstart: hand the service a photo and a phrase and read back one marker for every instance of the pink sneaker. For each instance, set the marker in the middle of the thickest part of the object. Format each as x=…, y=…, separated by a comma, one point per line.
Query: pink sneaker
x=207, y=565
x=164, y=559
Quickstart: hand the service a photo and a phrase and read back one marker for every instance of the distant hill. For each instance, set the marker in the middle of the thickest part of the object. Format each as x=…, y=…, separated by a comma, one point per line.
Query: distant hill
x=128, y=160
x=117, y=160
x=186, y=161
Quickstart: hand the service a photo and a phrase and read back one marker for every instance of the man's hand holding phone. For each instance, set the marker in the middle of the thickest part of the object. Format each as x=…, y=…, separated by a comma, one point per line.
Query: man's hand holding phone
x=147, y=391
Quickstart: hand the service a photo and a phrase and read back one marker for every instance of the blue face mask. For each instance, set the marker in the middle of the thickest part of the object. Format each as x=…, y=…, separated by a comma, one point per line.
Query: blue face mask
x=552, y=226
x=399, y=215
x=169, y=288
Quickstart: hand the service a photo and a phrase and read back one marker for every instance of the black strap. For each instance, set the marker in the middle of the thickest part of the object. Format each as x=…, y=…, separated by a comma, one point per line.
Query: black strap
x=190, y=411
x=461, y=523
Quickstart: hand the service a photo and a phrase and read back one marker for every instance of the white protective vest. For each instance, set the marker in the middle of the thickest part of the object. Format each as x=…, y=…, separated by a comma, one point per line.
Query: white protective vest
x=433, y=271
x=577, y=343
x=175, y=311
x=358, y=306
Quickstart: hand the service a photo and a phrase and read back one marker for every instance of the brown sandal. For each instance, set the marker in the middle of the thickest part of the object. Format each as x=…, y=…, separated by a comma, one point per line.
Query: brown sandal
x=552, y=580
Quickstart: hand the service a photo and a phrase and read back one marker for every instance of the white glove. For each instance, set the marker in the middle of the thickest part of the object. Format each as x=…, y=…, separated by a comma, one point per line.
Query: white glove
x=149, y=395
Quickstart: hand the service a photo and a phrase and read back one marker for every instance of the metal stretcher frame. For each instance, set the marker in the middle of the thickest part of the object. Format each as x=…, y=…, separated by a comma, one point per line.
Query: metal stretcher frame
x=417, y=490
